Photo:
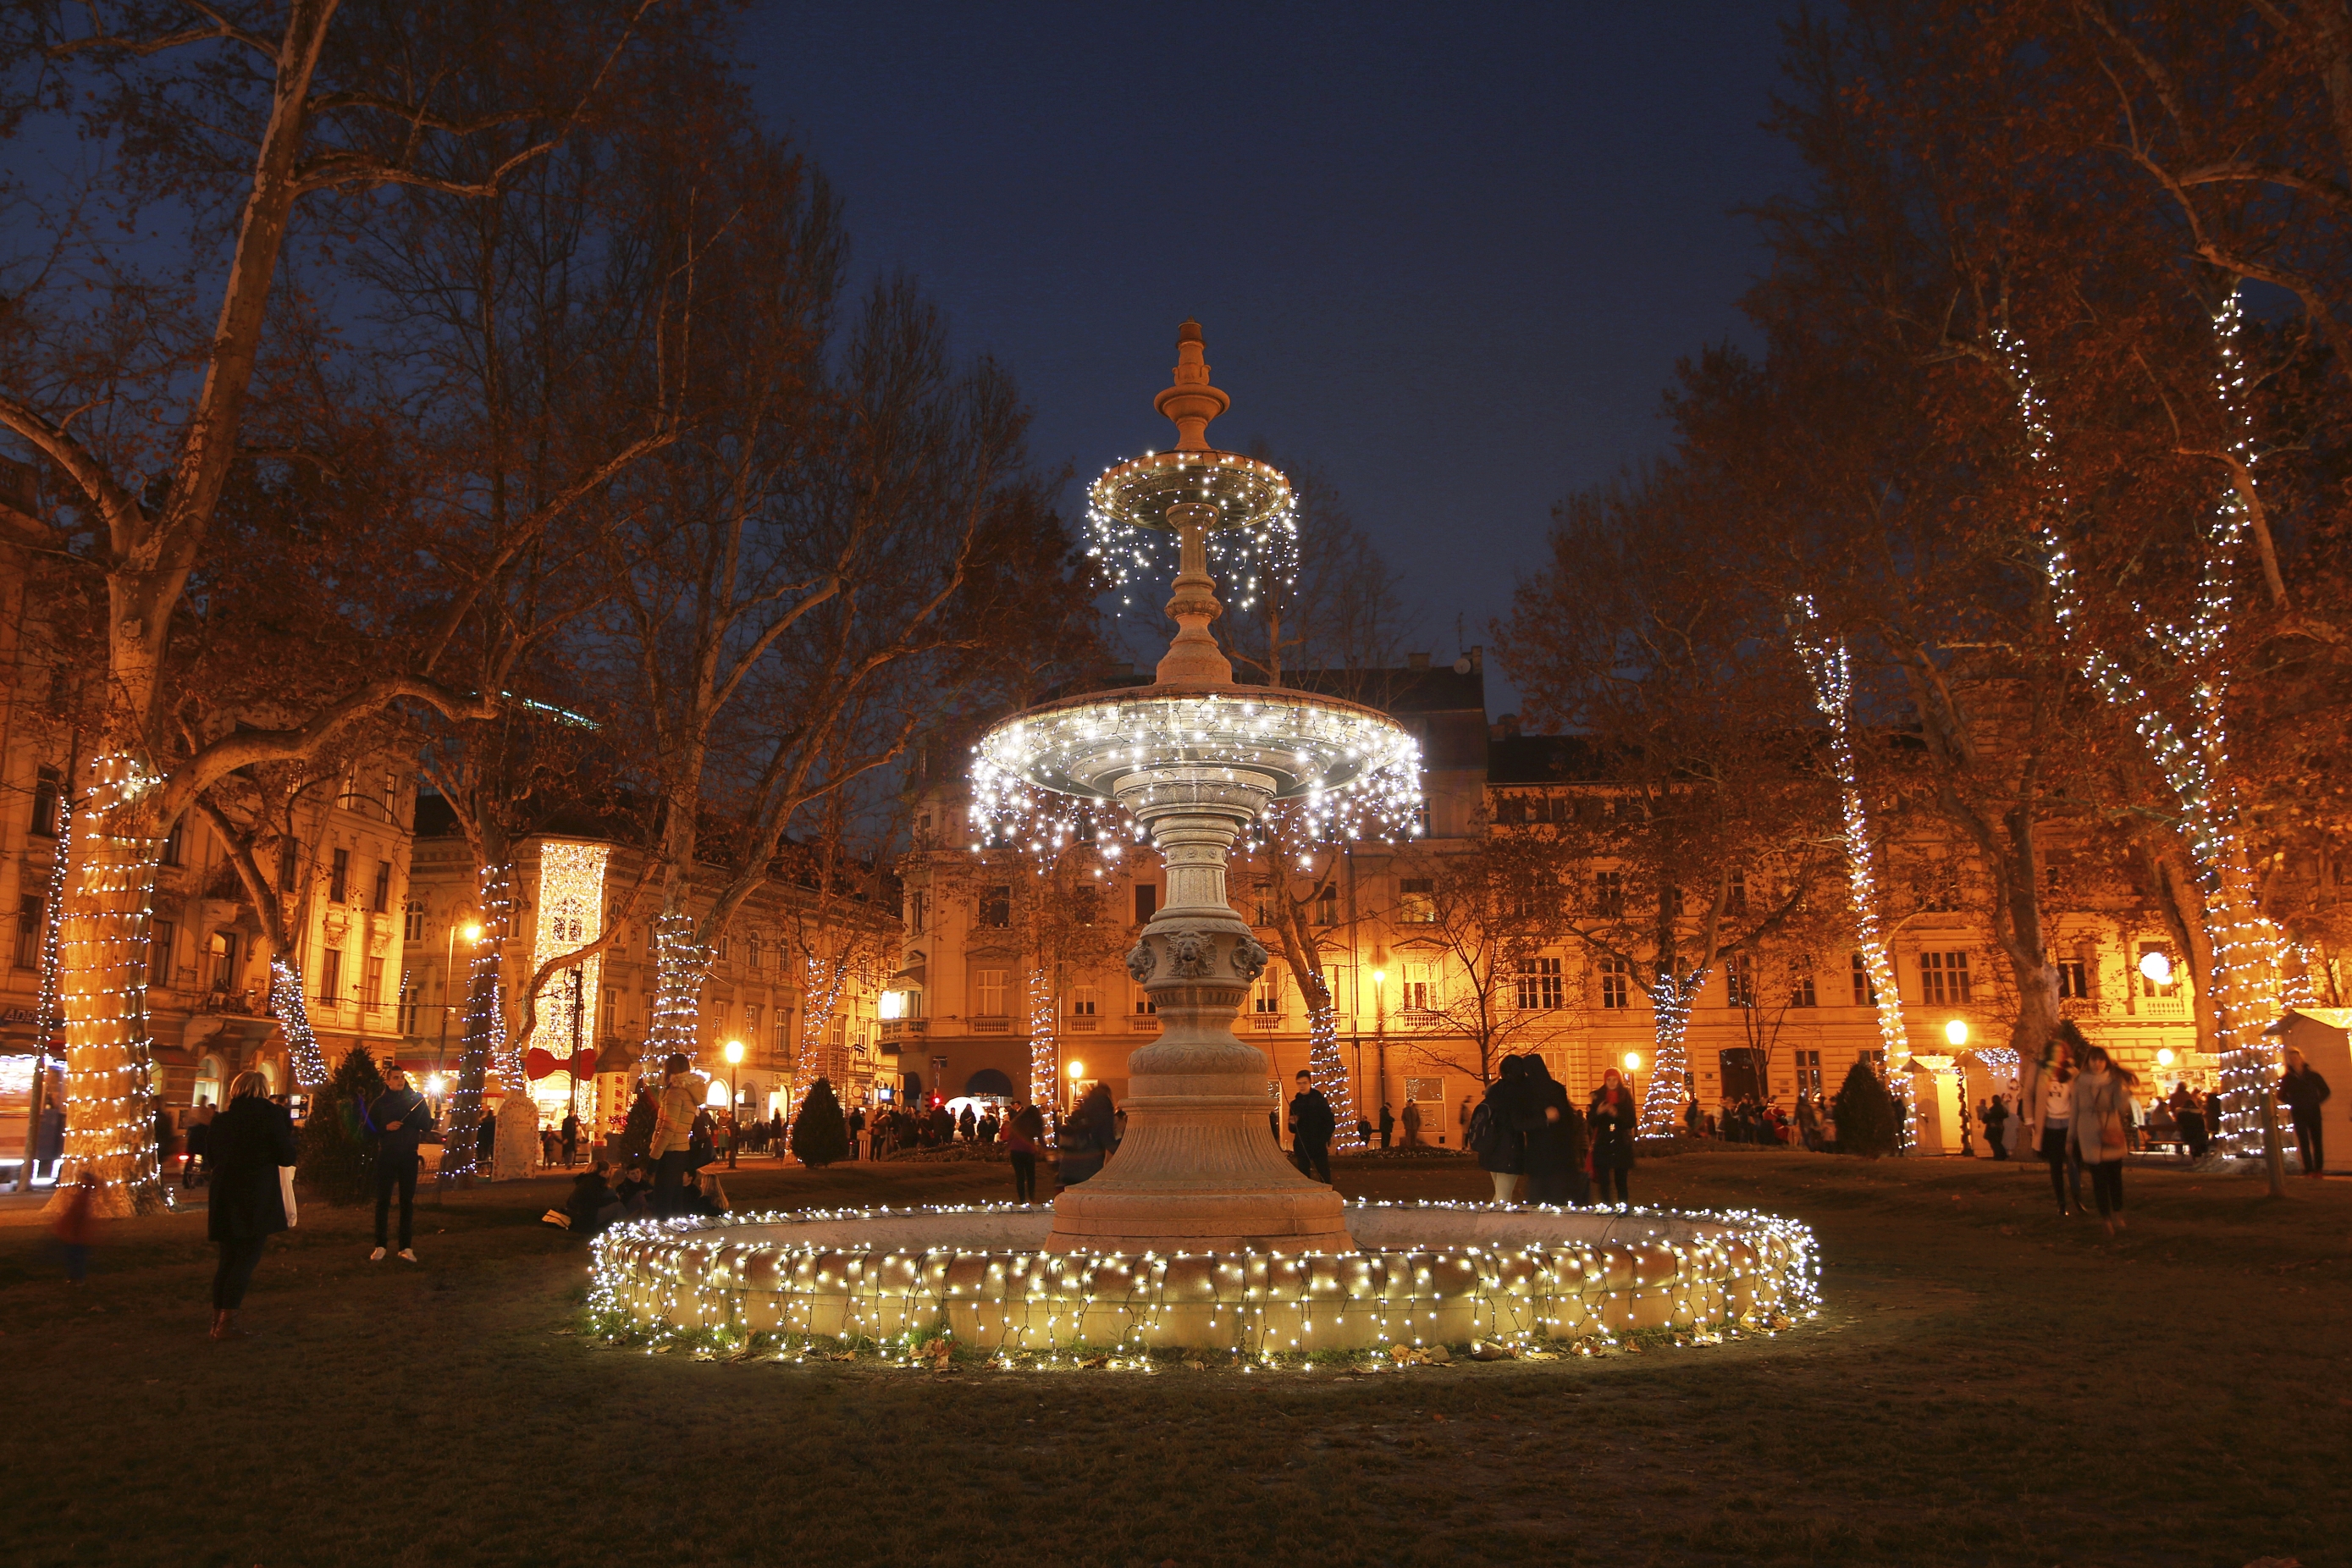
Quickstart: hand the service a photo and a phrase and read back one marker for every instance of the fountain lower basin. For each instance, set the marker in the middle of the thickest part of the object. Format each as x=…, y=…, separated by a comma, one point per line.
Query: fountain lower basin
x=1422, y=1274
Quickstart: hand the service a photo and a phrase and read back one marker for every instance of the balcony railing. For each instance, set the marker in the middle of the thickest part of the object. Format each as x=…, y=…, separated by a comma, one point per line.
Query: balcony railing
x=992, y=1026
x=1082, y=1023
x=1265, y=1021
x=1143, y=1023
x=905, y=1028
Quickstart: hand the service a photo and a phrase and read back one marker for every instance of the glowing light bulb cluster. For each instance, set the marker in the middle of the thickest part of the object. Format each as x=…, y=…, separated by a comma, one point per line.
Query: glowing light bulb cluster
x=1253, y=546
x=1671, y=996
x=292, y=1012
x=570, y=906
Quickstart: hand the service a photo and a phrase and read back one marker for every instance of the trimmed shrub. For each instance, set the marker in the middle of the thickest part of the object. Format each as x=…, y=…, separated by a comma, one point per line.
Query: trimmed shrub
x=1867, y=1114
x=335, y=1156
x=819, y=1135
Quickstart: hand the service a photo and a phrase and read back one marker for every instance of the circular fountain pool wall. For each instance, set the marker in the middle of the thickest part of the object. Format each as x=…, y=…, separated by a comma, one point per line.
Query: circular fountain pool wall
x=1422, y=1274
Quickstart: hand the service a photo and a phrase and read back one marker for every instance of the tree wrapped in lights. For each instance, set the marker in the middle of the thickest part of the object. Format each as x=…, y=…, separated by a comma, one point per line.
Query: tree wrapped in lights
x=2190, y=750
x=1829, y=667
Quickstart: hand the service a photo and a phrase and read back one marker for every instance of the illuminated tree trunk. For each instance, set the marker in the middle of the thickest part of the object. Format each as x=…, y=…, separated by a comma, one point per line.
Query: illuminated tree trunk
x=1671, y=996
x=481, y=1050
x=103, y=969
x=680, y=966
x=1043, y=1045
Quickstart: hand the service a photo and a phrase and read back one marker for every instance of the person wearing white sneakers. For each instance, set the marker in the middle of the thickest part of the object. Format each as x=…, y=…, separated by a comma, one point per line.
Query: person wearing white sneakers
x=402, y=1119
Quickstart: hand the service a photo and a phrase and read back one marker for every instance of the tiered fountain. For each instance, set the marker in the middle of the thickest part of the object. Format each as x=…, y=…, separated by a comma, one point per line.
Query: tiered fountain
x=1197, y=1232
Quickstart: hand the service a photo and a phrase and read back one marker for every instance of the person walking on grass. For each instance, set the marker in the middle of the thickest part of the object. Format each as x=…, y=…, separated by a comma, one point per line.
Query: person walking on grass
x=251, y=1142
x=1311, y=1127
x=2100, y=1111
x=2304, y=1091
x=2057, y=1115
x=570, y=1138
x=1411, y=1124
x=77, y=1227
x=1024, y=1131
x=1388, y=1125
x=1609, y=1123
x=401, y=1119
x=675, y=1110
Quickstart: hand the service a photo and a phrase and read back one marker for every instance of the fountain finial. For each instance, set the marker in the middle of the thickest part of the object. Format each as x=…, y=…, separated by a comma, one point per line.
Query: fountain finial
x=1191, y=403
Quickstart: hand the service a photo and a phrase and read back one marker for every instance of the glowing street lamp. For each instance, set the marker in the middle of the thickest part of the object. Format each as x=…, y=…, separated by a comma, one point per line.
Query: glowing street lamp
x=1957, y=1032
x=472, y=931
x=2156, y=966
x=734, y=1055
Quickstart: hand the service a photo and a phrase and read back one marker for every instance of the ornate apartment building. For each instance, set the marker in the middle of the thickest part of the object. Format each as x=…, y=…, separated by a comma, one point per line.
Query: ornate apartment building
x=788, y=958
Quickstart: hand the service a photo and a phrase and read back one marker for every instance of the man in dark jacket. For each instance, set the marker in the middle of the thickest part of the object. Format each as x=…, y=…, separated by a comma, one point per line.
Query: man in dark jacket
x=2304, y=1092
x=1388, y=1125
x=1556, y=1142
x=1497, y=1131
x=401, y=1120
x=1311, y=1125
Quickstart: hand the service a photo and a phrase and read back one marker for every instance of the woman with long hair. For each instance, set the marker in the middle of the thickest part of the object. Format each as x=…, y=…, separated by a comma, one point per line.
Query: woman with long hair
x=2099, y=1101
x=250, y=1142
x=2057, y=1111
x=1610, y=1122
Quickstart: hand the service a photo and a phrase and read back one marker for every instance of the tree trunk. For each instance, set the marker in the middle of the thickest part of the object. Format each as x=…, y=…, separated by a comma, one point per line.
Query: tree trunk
x=481, y=1050
x=103, y=942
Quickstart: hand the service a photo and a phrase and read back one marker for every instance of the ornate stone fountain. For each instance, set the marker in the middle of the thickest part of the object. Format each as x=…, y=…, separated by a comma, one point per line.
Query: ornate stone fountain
x=1197, y=1232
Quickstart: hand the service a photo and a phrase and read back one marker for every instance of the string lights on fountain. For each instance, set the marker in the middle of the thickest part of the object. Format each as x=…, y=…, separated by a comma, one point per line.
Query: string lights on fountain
x=1700, y=1277
x=1830, y=668
x=2248, y=948
x=102, y=964
x=1254, y=549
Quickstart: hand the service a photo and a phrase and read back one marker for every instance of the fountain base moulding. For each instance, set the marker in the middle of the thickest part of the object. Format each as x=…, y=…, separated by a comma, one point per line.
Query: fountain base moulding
x=1420, y=1274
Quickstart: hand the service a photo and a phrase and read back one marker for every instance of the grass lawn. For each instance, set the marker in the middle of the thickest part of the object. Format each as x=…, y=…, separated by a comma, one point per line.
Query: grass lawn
x=1987, y=1384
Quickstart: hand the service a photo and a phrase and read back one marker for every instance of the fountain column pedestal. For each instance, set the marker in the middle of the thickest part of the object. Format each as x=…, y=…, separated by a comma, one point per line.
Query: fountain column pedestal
x=1199, y=1168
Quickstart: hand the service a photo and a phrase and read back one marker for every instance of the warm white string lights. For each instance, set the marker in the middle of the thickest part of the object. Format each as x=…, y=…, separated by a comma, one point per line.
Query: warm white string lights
x=1828, y=665
x=482, y=1048
x=1671, y=996
x=570, y=907
x=680, y=964
x=293, y=1014
x=104, y=966
x=1254, y=546
x=1695, y=1276
x=2193, y=759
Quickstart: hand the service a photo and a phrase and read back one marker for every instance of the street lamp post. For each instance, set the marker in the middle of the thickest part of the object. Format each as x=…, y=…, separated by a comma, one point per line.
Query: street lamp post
x=734, y=1055
x=1380, y=1032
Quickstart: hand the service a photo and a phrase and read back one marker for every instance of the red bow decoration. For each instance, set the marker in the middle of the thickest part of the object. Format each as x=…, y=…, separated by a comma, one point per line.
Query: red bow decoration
x=540, y=1064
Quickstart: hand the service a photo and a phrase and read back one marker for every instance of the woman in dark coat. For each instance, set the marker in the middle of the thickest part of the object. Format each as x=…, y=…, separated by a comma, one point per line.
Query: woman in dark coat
x=249, y=1141
x=1555, y=1140
x=1497, y=1131
x=1612, y=1119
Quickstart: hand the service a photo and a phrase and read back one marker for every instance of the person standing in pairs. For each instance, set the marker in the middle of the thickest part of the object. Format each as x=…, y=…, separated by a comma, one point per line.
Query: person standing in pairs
x=2100, y=1129
x=1497, y=1131
x=2057, y=1092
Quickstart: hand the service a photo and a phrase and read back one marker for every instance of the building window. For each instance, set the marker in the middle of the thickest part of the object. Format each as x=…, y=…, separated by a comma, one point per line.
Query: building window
x=1865, y=994
x=391, y=796
x=1267, y=1000
x=996, y=905
x=754, y=951
x=1809, y=1072
x=1326, y=905
x=1147, y=901
x=339, y=879
x=1739, y=980
x=1144, y=1005
x=2074, y=979
x=751, y=1022
x=28, y=932
x=1413, y=995
x=988, y=993
x=1944, y=978
x=47, y=785
x=175, y=844
x=160, y=935
x=224, y=955
x=2149, y=988
x=381, y=902
x=1085, y=1002
x=1539, y=983
x=1609, y=893
x=1802, y=994
x=1616, y=983
x=330, y=975
x=1735, y=897
x=918, y=911
x=1417, y=900
x=407, y=1019
x=411, y=924
x=372, y=998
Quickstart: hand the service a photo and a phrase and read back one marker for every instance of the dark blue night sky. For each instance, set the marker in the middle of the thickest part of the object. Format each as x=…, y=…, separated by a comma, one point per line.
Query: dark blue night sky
x=1448, y=253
